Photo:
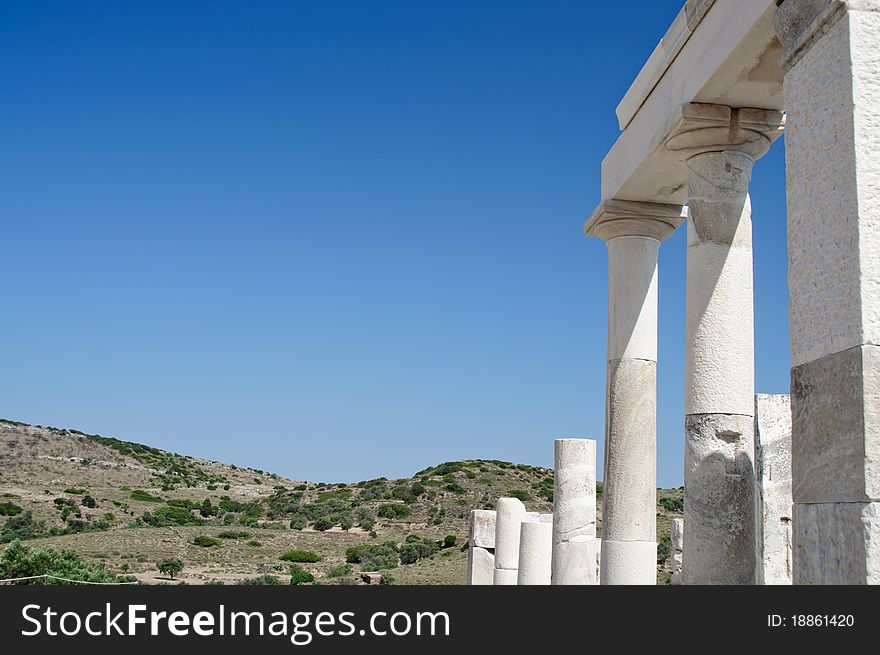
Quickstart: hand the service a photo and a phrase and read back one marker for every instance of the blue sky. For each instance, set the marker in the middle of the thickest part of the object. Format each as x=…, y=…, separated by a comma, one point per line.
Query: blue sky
x=333, y=240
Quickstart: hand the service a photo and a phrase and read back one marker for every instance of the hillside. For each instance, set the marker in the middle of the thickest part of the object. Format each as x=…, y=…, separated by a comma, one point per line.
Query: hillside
x=128, y=505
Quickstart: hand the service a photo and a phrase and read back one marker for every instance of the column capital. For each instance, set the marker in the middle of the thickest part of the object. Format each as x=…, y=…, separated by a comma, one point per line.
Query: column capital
x=696, y=128
x=618, y=218
x=799, y=23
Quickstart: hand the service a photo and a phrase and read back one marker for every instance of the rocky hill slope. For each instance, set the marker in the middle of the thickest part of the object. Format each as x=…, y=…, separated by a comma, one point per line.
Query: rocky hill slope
x=128, y=506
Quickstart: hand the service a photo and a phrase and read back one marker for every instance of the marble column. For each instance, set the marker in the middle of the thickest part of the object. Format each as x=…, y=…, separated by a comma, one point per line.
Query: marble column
x=720, y=146
x=831, y=61
x=535, y=546
x=509, y=515
x=574, y=512
x=632, y=232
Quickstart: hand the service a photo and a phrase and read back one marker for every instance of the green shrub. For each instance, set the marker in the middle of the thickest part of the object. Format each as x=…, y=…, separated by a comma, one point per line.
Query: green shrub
x=233, y=534
x=298, y=522
x=20, y=527
x=263, y=580
x=365, y=518
x=88, y=501
x=169, y=566
x=145, y=497
x=19, y=561
x=339, y=494
x=455, y=488
x=323, y=523
x=449, y=541
x=76, y=492
x=165, y=516
x=205, y=541
x=664, y=547
x=300, y=576
x=253, y=543
x=373, y=557
x=340, y=571
x=182, y=502
x=672, y=504
x=394, y=511
x=10, y=509
x=304, y=556
x=521, y=494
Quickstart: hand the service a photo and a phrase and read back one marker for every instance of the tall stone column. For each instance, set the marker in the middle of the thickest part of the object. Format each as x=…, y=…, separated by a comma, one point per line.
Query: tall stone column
x=720, y=146
x=633, y=232
x=832, y=96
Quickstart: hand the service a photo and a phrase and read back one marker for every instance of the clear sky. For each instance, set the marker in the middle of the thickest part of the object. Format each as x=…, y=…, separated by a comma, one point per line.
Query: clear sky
x=332, y=240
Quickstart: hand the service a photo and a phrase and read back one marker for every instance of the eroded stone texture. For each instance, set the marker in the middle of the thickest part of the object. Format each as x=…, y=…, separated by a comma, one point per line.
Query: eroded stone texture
x=719, y=485
x=535, y=546
x=574, y=512
x=482, y=528
x=837, y=543
x=773, y=472
x=836, y=420
x=719, y=359
x=630, y=469
x=481, y=566
x=719, y=500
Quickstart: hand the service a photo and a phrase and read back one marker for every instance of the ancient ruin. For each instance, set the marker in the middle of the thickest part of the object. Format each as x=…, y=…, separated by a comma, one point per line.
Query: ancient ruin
x=772, y=495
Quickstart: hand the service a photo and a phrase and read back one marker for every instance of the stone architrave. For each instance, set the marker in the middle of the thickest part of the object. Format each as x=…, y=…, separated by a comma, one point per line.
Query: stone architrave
x=720, y=145
x=832, y=148
x=632, y=232
x=574, y=512
x=773, y=472
x=509, y=515
x=535, y=546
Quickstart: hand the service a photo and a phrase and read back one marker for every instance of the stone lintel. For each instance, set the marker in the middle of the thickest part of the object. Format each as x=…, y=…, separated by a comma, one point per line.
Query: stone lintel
x=696, y=128
x=799, y=23
x=616, y=218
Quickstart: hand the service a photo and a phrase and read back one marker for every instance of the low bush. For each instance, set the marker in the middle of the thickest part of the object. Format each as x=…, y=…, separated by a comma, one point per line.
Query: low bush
x=521, y=494
x=19, y=561
x=340, y=571
x=300, y=576
x=373, y=557
x=263, y=580
x=303, y=556
x=165, y=516
x=145, y=497
x=9, y=509
x=394, y=511
x=205, y=541
x=672, y=504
